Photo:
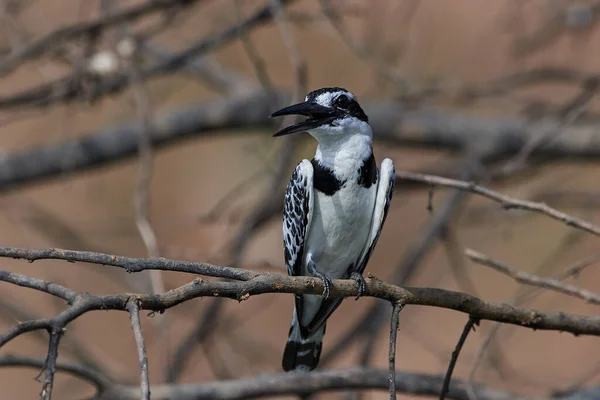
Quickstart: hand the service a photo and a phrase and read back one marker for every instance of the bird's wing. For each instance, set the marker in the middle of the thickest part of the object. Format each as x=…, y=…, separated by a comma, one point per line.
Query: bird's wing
x=385, y=191
x=297, y=215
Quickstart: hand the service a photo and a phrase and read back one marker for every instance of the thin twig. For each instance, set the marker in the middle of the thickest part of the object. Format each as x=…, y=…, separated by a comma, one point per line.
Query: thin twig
x=461, y=341
x=258, y=63
x=534, y=280
x=573, y=270
x=134, y=313
x=56, y=333
x=91, y=375
x=395, y=321
x=505, y=201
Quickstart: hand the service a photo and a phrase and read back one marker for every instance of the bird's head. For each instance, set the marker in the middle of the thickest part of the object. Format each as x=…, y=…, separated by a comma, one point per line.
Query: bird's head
x=331, y=112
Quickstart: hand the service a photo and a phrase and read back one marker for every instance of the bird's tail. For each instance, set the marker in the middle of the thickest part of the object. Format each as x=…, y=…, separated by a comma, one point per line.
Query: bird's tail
x=302, y=353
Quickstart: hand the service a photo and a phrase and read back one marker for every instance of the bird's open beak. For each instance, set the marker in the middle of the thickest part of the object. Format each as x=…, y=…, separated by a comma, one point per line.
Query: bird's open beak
x=317, y=115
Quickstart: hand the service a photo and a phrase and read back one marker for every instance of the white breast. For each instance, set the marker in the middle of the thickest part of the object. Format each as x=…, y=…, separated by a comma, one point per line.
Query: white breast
x=340, y=228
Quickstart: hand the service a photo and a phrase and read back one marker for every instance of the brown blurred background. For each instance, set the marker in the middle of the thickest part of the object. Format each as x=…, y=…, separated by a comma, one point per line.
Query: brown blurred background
x=439, y=48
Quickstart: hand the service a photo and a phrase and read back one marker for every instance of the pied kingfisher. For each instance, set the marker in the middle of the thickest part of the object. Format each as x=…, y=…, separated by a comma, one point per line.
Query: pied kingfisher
x=334, y=209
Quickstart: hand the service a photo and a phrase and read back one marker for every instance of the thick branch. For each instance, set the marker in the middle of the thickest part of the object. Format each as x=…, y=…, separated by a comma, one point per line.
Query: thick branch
x=271, y=384
x=420, y=128
x=254, y=283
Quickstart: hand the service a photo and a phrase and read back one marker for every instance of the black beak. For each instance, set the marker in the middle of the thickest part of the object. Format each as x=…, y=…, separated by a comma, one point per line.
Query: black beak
x=317, y=115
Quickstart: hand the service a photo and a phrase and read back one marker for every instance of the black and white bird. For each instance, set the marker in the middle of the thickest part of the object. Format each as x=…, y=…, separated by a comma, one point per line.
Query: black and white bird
x=334, y=209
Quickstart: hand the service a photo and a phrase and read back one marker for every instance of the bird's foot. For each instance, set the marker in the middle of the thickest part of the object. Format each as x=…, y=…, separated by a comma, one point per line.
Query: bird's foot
x=312, y=269
x=362, y=284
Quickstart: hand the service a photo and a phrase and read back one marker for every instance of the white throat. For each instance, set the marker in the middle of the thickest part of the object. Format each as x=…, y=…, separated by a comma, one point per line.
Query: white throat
x=344, y=155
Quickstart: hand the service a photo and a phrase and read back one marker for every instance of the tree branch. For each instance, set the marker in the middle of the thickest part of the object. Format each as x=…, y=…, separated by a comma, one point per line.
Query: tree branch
x=534, y=280
x=461, y=341
x=134, y=312
x=249, y=110
x=505, y=201
x=252, y=283
x=395, y=321
x=98, y=380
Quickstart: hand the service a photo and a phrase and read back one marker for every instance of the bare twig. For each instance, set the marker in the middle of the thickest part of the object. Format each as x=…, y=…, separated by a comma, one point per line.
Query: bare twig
x=505, y=201
x=461, y=341
x=534, y=280
x=395, y=320
x=134, y=313
x=258, y=62
x=56, y=333
x=91, y=375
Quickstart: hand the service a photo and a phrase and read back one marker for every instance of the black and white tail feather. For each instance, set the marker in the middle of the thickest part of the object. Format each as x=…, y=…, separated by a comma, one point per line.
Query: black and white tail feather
x=334, y=209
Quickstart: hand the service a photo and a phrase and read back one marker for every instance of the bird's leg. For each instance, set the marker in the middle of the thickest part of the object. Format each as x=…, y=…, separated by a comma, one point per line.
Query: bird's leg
x=362, y=284
x=312, y=269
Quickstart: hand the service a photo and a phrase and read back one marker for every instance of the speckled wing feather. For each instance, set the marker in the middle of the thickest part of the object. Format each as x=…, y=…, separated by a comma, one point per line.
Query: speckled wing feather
x=297, y=215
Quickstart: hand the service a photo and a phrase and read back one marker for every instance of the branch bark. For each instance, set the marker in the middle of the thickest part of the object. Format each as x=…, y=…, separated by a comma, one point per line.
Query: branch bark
x=249, y=283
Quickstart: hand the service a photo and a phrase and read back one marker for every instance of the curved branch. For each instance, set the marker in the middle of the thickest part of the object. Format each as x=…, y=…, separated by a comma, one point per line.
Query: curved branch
x=316, y=381
x=252, y=283
x=100, y=382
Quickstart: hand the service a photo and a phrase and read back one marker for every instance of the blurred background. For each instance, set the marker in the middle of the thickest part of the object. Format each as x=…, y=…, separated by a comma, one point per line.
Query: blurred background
x=140, y=128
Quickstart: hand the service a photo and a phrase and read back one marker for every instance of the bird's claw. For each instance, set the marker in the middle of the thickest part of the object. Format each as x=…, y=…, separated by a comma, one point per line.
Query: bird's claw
x=326, y=283
x=326, y=280
x=362, y=284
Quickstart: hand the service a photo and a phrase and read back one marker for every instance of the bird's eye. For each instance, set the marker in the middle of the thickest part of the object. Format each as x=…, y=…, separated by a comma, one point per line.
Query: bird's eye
x=342, y=101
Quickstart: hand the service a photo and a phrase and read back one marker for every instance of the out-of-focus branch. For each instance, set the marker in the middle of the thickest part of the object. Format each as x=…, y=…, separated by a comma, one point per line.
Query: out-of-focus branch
x=418, y=128
x=69, y=88
x=49, y=41
x=97, y=379
x=212, y=74
x=574, y=16
x=269, y=384
x=285, y=383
